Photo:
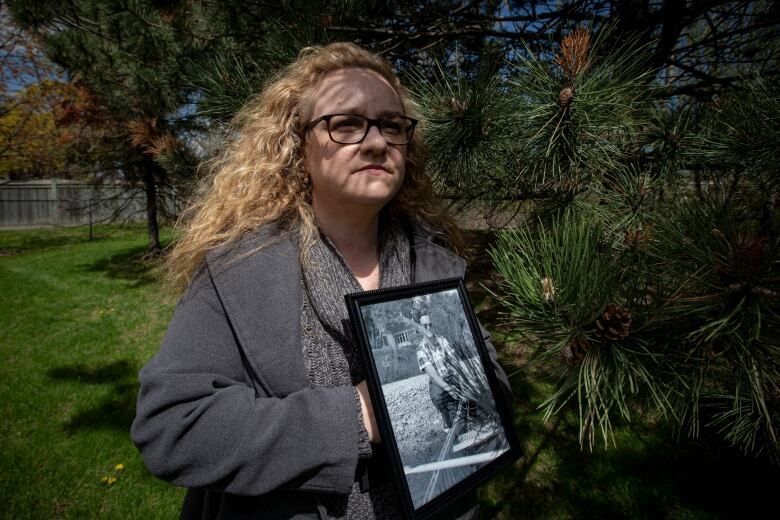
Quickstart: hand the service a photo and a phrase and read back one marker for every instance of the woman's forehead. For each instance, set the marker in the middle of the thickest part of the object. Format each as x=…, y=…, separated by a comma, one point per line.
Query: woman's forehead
x=355, y=90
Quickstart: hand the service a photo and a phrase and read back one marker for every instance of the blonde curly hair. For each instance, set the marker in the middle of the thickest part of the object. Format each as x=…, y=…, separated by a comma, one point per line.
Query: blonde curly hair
x=259, y=178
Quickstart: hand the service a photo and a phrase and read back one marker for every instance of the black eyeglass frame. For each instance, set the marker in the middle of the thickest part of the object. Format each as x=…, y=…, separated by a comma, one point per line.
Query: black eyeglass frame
x=371, y=122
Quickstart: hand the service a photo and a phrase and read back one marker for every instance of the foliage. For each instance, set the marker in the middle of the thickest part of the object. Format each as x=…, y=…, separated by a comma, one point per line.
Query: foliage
x=539, y=130
x=32, y=143
x=721, y=316
x=696, y=48
x=640, y=277
x=470, y=127
x=582, y=115
x=184, y=67
x=741, y=134
x=31, y=88
x=559, y=280
x=652, y=289
x=260, y=44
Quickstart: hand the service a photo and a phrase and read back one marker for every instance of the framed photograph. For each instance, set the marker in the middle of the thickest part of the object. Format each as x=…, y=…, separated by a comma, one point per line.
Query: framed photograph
x=435, y=394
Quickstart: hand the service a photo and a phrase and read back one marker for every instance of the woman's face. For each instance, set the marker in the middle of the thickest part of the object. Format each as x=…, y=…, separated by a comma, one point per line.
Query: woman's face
x=366, y=174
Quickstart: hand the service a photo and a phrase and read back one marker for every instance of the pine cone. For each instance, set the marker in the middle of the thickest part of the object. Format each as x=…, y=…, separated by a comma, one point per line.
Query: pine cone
x=637, y=238
x=458, y=108
x=574, y=352
x=548, y=289
x=614, y=324
x=565, y=97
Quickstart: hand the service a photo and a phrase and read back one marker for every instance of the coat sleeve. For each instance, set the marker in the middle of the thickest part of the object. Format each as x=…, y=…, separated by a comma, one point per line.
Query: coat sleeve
x=200, y=423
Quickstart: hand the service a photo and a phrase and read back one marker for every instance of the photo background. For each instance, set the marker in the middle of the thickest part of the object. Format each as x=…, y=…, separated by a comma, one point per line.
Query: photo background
x=394, y=332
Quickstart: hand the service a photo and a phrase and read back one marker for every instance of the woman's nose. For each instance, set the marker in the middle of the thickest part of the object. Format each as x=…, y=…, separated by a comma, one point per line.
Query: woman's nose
x=374, y=139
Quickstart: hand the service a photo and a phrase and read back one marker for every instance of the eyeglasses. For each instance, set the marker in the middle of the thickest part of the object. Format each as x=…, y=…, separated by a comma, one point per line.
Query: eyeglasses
x=352, y=128
x=426, y=325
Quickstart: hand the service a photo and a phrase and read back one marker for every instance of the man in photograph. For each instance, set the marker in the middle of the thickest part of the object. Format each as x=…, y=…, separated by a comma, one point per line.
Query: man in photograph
x=434, y=357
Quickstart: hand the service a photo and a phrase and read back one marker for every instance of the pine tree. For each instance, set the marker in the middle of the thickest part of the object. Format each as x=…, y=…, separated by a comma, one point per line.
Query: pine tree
x=646, y=275
x=130, y=57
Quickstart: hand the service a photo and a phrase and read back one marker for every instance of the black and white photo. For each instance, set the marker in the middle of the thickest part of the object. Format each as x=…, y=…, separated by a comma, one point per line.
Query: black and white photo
x=445, y=421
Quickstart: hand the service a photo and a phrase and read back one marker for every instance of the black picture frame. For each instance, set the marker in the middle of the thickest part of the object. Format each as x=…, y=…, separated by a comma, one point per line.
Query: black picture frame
x=434, y=463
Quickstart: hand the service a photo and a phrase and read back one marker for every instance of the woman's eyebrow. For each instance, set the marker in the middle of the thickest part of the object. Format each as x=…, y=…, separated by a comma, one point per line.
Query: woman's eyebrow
x=360, y=112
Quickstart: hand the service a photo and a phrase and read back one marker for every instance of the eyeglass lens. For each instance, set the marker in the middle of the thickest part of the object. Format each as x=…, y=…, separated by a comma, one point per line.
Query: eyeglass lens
x=351, y=129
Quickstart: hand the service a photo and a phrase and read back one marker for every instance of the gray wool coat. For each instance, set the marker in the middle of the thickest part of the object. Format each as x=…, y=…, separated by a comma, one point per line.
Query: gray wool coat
x=225, y=408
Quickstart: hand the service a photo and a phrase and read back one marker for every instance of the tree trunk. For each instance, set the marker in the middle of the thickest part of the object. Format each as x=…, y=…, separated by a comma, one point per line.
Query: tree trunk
x=151, y=207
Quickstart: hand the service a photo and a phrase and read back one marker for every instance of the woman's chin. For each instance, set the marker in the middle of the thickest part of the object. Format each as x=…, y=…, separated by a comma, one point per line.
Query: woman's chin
x=377, y=196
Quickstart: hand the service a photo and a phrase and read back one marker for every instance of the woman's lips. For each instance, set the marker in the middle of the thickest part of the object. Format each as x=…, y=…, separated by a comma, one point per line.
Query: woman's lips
x=373, y=169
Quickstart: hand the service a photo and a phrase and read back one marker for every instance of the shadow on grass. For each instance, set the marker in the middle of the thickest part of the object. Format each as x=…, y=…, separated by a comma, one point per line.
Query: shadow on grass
x=115, y=411
x=23, y=240
x=26, y=241
x=130, y=265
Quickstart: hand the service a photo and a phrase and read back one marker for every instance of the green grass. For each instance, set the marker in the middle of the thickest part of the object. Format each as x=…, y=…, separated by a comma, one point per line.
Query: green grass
x=78, y=319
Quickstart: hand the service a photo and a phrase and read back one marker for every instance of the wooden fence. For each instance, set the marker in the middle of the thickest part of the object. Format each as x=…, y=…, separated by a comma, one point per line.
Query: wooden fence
x=53, y=202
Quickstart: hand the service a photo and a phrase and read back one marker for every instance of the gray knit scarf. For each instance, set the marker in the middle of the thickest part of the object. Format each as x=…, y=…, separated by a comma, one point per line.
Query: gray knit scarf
x=327, y=278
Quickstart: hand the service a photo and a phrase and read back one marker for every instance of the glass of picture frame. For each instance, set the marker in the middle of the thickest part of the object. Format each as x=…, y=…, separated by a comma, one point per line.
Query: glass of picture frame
x=441, y=413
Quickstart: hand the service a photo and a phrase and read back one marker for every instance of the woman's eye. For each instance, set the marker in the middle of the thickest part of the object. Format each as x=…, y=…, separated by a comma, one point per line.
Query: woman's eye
x=392, y=127
x=395, y=126
x=346, y=124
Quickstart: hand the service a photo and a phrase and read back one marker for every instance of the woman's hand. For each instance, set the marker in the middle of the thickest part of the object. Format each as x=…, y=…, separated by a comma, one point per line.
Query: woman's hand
x=368, y=413
x=438, y=380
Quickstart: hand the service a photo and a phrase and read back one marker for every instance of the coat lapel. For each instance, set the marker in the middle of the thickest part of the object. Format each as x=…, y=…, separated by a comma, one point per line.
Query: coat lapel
x=260, y=290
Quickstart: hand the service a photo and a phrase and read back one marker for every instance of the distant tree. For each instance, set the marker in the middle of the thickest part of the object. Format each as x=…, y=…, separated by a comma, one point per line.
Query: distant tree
x=129, y=56
x=31, y=87
x=31, y=143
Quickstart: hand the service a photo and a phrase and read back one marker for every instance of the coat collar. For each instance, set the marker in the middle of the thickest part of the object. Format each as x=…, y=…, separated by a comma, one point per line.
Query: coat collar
x=258, y=281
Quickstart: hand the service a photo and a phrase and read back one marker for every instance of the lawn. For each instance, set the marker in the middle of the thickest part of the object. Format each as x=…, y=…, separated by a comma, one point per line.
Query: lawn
x=78, y=318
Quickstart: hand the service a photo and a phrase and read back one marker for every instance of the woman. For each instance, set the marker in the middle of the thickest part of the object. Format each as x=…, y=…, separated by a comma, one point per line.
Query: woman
x=257, y=400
